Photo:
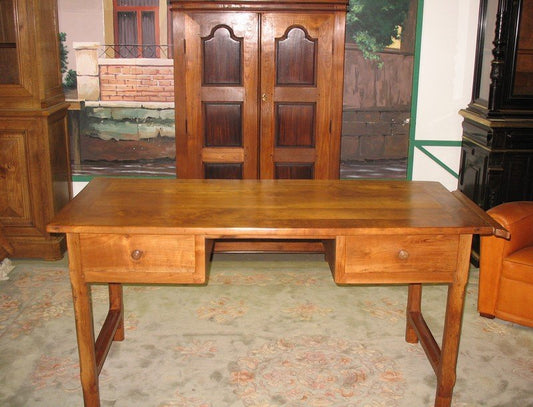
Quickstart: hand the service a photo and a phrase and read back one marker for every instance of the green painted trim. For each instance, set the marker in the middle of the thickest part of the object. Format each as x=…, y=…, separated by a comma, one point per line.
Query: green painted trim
x=82, y=178
x=414, y=92
x=437, y=143
x=434, y=158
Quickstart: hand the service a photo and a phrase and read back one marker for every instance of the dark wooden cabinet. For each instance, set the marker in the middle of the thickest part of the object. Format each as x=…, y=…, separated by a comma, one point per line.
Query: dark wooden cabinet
x=497, y=148
x=503, y=77
x=258, y=88
x=497, y=145
x=496, y=160
x=34, y=168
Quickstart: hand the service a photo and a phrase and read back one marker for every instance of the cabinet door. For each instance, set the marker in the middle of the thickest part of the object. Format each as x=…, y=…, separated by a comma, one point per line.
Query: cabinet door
x=216, y=62
x=473, y=173
x=15, y=209
x=297, y=82
x=517, y=180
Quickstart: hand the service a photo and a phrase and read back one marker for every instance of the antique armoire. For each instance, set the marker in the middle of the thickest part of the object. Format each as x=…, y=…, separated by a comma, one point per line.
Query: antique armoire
x=34, y=166
x=258, y=88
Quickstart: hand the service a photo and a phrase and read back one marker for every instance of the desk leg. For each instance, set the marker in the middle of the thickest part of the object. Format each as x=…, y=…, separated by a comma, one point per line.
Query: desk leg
x=116, y=303
x=84, y=325
x=446, y=371
x=414, y=299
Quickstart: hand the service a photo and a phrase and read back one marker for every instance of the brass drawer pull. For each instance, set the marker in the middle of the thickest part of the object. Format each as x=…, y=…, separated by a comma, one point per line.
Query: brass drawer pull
x=136, y=254
x=403, y=254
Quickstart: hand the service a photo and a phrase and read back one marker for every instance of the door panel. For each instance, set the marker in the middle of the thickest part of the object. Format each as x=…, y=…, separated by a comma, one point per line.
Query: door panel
x=473, y=175
x=217, y=122
x=295, y=124
x=296, y=58
x=223, y=124
x=14, y=183
x=295, y=171
x=222, y=58
x=295, y=94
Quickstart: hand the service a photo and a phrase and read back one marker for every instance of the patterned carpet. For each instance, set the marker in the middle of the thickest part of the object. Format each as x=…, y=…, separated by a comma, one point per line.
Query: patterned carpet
x=270, y=330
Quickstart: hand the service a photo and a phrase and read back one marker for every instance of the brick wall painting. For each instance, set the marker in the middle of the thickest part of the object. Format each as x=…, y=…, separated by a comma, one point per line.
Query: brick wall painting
x=136, y=83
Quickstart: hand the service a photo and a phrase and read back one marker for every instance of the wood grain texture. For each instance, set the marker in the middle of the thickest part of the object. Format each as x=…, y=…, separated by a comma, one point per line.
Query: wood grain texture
x=398, y=259
x=133, y=253
x=318, y=209
x=313, y=126
x=135, y=258
x=192, y=64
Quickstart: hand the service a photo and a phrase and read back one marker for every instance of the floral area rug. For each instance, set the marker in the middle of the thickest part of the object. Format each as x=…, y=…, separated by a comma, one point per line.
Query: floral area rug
x=267, y=330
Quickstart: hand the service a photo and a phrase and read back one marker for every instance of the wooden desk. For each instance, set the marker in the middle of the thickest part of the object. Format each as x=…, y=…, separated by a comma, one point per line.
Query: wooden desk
x=162, y=231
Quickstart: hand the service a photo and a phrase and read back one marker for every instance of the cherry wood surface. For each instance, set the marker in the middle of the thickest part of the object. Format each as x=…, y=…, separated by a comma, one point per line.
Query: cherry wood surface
x=269, y=208
x=372, y=232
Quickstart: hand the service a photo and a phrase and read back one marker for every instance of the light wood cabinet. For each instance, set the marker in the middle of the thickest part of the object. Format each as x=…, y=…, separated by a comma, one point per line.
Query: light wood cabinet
x=34, y=167
x=258, y=87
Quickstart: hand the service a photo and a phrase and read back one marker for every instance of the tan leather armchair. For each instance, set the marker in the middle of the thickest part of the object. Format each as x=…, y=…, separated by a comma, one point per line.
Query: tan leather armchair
x=506, y=266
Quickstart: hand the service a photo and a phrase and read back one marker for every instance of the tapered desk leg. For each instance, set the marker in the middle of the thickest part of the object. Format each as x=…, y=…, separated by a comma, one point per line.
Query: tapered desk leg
x=414, y=299
x=116, y=303
x=446, y=371
x=84, y=325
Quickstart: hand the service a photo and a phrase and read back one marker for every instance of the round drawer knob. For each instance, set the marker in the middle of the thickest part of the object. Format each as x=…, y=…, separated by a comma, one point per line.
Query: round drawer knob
x=403, y=254
x=136, y=254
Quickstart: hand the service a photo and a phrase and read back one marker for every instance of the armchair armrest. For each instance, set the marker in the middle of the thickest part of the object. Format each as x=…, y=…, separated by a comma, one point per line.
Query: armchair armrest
x=517, y=218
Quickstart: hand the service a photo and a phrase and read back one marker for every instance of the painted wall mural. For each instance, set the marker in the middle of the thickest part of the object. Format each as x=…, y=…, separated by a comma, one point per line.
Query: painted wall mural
x=122, y=105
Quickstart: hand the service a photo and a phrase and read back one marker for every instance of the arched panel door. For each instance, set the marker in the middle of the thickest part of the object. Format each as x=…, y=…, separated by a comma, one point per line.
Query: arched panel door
x=298, y=80
x=216, y=95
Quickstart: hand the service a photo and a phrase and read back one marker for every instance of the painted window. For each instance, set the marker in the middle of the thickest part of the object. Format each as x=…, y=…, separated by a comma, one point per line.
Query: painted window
x=136, y=28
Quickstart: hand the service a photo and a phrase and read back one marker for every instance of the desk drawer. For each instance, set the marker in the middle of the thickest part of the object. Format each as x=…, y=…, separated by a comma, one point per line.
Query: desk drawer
x=143, y=258
x=396, y=258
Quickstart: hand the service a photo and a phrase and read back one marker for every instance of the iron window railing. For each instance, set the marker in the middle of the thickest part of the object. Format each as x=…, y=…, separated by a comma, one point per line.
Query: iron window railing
x=135, y=51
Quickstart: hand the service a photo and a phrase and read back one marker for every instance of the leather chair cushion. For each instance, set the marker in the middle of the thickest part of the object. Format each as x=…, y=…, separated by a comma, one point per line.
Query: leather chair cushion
x=519, y=265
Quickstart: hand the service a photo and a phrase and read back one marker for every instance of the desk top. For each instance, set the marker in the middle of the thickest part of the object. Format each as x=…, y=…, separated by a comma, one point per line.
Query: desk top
x=270, y=208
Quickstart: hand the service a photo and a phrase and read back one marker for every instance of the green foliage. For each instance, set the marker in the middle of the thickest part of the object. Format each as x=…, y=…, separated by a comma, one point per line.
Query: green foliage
x=63, y=52
x=373, y=24
x=70, y=79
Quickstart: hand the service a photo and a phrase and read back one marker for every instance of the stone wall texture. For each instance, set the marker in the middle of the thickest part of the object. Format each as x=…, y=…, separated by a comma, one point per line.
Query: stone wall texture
x=377, y=106
x=375, y=134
